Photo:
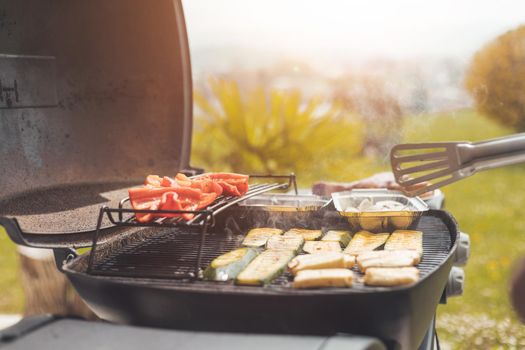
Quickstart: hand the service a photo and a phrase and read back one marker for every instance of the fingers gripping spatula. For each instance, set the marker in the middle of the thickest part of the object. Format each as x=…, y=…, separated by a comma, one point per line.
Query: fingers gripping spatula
x=423, y=167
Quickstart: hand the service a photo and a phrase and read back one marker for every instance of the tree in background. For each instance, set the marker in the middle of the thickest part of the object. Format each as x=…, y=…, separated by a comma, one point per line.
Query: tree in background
x=496, y=79
x=272, y=131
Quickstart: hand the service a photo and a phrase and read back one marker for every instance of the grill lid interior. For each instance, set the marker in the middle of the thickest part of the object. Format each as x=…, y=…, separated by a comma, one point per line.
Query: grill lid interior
x=93, y=92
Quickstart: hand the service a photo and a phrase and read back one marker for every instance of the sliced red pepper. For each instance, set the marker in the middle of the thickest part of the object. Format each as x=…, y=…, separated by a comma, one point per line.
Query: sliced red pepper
x=168, y=182
x=183, y=193
x=138, y=193
x=206, y=199
x=153, y=180
x=226, y=176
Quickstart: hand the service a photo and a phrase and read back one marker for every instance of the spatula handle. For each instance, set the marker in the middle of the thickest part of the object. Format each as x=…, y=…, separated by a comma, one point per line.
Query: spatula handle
x=503, y=147
x=494, y=153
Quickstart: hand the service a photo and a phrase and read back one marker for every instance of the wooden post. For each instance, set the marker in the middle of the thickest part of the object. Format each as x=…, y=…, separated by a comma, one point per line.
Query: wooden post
x=47, y=290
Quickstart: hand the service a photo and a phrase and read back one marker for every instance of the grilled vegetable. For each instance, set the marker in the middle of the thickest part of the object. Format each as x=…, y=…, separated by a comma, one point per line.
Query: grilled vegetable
x=405, y=239
x=365, y=241
x=320, y=261
x=314, y=247
x=386, y=276
x=387, y=258
x=265, y=267
x=229, y=265
x=290, y=242
x=308, y=235
x=323, y=278
x=341, y=237
x=258, y=237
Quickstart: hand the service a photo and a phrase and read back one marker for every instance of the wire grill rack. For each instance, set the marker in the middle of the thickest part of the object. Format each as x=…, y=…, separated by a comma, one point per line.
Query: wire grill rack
x=200, y=223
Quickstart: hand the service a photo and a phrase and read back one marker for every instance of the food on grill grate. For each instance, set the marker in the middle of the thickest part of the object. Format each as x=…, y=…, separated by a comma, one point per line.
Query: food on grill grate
x=290, y=242
x=229, y=265
x=313, y=247
x=391, y=276
x=320, y=261
x=405, y=239
x=323, y=278
x=265, y=267
x=387, y=258
x=183, y=193
x=231, y=183
x=342, y=237
x=386, y=205
x=258, y=237
x=365, y=241
x=308, y=235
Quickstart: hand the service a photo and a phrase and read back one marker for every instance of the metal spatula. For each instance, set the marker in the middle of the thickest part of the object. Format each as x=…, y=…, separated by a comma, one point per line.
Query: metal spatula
x=422, y=167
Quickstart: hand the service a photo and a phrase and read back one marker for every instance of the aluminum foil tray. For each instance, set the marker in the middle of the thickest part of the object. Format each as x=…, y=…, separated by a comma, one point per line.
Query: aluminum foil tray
x=285, y=202
x=366, y=217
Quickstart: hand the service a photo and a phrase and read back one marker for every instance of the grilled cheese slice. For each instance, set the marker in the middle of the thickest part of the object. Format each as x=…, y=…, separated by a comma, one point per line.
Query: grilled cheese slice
x=387, y=258
x=258, y=237
x=308, y=235
x=314, y=247
x=405, y=239
x=365, y=241
x=320, y=261
x=290, y=242
x=387, y=277
x=323, y=278
x=341, y=237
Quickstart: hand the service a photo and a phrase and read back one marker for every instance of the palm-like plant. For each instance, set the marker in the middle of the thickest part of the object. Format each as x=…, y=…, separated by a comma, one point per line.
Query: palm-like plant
x=275, y=132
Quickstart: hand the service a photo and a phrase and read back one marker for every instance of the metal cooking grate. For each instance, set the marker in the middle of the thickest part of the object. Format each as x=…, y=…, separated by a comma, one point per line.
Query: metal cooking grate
x=170, y=253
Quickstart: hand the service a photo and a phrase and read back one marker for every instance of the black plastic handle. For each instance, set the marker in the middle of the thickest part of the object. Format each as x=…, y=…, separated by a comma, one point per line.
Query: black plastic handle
x=48, y=240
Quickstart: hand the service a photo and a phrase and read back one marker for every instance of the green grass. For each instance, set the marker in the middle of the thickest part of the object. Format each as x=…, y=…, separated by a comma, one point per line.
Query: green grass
x=11, y=297
x=490, y=207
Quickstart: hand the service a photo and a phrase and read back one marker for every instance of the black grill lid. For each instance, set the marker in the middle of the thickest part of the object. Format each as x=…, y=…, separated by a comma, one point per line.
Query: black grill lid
x=93, y=96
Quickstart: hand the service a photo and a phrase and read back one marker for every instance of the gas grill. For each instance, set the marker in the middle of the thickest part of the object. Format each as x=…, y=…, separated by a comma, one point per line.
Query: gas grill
x=107, y=104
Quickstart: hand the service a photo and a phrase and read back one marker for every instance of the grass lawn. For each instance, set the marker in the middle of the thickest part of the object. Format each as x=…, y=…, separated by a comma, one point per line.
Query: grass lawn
x=488, y=207
x=11, y=298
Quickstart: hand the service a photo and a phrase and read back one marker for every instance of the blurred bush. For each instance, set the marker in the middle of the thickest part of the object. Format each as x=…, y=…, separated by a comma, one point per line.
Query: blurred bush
x=496, y=79
x=273, y=131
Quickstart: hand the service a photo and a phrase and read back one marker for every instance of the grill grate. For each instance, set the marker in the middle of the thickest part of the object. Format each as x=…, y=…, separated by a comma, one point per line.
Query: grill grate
x=166, y=254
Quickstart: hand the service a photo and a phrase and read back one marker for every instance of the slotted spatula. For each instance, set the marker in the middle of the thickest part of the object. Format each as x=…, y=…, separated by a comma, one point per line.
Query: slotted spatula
x=423, y=167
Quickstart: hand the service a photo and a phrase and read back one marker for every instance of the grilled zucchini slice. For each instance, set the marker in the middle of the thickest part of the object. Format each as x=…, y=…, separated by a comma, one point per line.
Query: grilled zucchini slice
x=258, y=237
x=229, y=265
x=308, y=235
x=341, y=237
x=314, y=247
x=365, y=241
x=265, y=267
x=290, y=242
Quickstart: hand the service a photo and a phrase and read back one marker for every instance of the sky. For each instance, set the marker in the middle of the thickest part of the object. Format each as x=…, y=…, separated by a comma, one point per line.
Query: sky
x=357, y=29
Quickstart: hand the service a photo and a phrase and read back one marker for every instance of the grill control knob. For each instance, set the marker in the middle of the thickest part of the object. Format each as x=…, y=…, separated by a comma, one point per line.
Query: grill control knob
x=456, y=281
x=463, y=250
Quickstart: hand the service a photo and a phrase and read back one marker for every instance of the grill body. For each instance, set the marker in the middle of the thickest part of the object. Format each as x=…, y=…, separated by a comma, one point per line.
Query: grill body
x=119, y=292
